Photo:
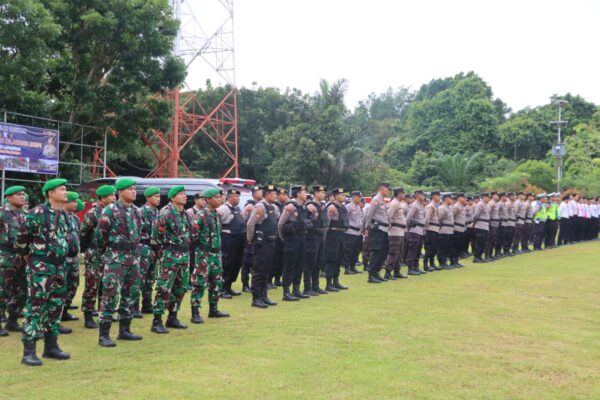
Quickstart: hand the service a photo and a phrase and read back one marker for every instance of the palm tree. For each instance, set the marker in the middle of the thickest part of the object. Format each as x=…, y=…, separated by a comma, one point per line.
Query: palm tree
x=455, y=170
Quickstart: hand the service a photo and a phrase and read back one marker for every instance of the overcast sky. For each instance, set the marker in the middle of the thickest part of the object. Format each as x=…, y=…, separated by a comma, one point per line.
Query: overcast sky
x=526, y=50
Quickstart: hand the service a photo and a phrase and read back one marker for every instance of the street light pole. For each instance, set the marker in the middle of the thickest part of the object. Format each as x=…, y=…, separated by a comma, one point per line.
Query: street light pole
x=558, y=150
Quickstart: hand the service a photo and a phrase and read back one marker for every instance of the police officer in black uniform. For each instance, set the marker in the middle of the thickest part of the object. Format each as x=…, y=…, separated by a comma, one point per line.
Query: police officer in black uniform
x=277, y=267
x=233, y=241
x=293, y=226
x=338, y=223
x=257, y=195
x=261, y=232
x=315, y=242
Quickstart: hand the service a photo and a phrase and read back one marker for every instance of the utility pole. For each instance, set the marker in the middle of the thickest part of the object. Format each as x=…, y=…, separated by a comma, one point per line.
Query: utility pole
x=558, y=150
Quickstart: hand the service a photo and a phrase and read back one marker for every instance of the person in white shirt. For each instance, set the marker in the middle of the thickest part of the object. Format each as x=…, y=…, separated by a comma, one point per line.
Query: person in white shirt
x=565, y=218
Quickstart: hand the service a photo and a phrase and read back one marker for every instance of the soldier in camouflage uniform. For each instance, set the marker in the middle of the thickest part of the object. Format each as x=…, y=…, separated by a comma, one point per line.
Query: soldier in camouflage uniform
x=172, y=234
x=118, y=238
x=46, y=237
x=206, y=233
x=72, y=259
x=89, y=245
x=148, y=214
x=13, y=283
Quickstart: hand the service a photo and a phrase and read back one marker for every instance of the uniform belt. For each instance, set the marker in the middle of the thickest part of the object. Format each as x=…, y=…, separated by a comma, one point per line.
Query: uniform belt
x=395, y=225
x=434, y=224
x=448, y=225
x=337, y=229
x=512, y=220
x=123, y=246
x=520, y=218
x=482, y=220
x=418, y=224
x=494, y=220
x=354, y=228
x=176, y=247
x=381, y=223
x=461, y=225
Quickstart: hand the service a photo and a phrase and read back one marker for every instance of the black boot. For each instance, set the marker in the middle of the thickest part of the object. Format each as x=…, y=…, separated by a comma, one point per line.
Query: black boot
x=299, y=294
x=3, y=332
x=11, y=324
x=51, y=349
x=147, y=306
x=89, y=320
x=246, y=288
x=64, y=330
x=338, y=285
x=398, y=275
x=72, y=307
x=278, y=281
x=414, y=271
x=29, y=357
x=136, y=311
x=196, y=318
x=259, y=303
x=157, y=325
x=173, y=322
x=330, y=287
x=287, y=296
x=349, y=271
x=318, y=290
x=265, y=298
x=213, y=312
x=388, y=276
x=104, y=339
x=67, y=316
x=125, y=331
x=478, y=260
x=234, y=292
x=226, y=295
x=373, y=279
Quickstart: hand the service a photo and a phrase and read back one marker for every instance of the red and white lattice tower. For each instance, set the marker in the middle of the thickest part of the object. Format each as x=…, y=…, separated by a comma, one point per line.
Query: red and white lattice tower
x=205, y=43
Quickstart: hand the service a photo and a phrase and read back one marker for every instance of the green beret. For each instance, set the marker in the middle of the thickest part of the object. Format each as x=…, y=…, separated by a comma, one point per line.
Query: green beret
x=105, y=190
x=151, y=191
x=80, y=205
x=53, y=184
x=72, y=196
x=210, y=193
x=14, y=189
x=174, y=190
x=124, y=183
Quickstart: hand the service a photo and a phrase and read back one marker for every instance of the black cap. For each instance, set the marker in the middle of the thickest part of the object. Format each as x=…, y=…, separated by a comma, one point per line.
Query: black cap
x=408, y=196
x=297, y=188
x=282, y=191
x=356, y=193
x=337, y=191
x=460, y=194
x=510, y=194
x=486, y=194
x=398, y=190
x=520, y=193
x=435, y=193
x=470, y=197
x=256, y=188
x=493, y=193
x=267, y=188
x=319, y=188
x=233, y=191
x=384, y=184
x=502, y=194
x=198, y=196
x=446, y=195
x=419, y=191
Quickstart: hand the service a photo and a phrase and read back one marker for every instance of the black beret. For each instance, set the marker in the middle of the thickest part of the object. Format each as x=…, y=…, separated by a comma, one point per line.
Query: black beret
x=397, y=191
x=356, y=193
x=436, y=193
x=319, y=188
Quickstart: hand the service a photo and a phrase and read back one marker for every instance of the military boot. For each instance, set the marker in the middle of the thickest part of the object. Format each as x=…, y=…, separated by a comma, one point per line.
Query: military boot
x=104, y=339
x=196, y=318
x=173, y=322
x=3, y=332
x=11, y=324
x=67, y=316
x=398, y=274
x=349, y=271
x=317, y=289
x=29, y=357
x=338, y=285
x=125, y=331
x=213, y=312
x=299, y=294
x=89, y=320
x=136, y=311
x=157, y=325
x=225, y=293
x=51, y=349
x=147, y=305
x=259, y=303
x=64, y=330
x=373, y=279
x=265, y=298
x=388, y=276
x=287, y=296
x=330, y=287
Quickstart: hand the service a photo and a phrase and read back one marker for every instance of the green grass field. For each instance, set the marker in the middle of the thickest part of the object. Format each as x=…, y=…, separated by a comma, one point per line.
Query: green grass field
x=526, y=327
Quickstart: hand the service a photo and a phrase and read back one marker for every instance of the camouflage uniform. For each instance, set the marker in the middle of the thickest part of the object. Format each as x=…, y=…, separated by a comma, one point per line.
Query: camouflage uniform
x=148, y=217
x=46, y=235
x=172, y=234
x=118, y=236
x=89, y=244
x=206, y=233
x=72, y=260
x=13, y=282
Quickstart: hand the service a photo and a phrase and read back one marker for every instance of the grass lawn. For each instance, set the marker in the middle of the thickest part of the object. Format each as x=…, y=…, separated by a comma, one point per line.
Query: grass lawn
x=527, y=327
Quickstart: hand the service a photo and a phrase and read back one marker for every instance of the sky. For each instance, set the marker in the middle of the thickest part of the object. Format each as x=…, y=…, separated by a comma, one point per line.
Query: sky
x=525, y=50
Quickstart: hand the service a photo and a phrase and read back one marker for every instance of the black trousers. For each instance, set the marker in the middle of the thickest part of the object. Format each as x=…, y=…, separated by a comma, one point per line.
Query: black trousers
x=444, y=248
x=232, y=249
x=366, y=253
x=468, y=239
x=315, y=257
x=414, y=243
x=431, y=246
x=507, y=239
x=262, y=258
x=457, y=245
x=490, y=243
x=247, y=262
x=518, y=237
x=563, y=232
x=538, y=234
x=395, y=250
x=525, y=236
x=550, y=232
x=294, y=259
x=333, y=253
x=352, y=247
x=479, y=240
x=378, y=244
x=277, y=267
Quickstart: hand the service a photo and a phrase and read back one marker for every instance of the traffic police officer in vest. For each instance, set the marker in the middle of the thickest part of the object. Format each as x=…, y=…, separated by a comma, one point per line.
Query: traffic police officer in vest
x=539, y=221
x=376, y=226
x=261, y=232
x=233, y=238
